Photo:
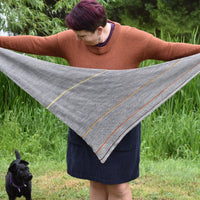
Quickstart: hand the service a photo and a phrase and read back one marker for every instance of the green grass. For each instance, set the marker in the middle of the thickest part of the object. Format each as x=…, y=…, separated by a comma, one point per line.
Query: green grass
x=33, y=131
x=171, y=134
x=159, y=180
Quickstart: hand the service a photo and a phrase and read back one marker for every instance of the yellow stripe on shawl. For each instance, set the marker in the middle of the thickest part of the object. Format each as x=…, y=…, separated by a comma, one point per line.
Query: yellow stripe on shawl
x=95, y=75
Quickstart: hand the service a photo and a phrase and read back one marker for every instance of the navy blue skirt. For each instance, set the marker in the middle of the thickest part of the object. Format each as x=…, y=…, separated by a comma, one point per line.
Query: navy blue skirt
x=122, y=165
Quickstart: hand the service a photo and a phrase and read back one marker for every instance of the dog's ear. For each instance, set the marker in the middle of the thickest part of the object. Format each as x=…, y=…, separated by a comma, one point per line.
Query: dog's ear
x=12, y=167
x=23, y=162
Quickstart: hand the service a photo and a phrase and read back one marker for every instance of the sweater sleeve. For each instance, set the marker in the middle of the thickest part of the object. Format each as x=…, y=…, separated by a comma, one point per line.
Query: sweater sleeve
x=49, y=45
x=161, y=50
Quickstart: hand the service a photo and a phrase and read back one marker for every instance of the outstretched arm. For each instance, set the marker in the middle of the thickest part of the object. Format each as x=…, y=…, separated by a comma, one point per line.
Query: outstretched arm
x=160, y=50
x=32, y=44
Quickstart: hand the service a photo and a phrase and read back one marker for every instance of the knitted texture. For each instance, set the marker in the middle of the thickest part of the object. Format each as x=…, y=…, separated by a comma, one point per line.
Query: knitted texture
x=101, y=106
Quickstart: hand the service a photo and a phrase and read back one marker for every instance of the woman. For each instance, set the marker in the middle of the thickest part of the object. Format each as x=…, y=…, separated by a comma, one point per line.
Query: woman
x=95, y=42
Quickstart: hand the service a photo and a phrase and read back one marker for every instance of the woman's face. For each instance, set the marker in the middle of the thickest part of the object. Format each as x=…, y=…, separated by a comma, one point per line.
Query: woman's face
x=88, y=37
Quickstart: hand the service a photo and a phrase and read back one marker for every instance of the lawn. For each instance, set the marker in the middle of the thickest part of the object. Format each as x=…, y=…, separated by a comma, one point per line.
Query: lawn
x=159, y=180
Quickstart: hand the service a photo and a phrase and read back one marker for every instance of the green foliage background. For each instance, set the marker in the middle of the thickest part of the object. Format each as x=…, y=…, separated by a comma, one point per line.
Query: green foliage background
x=170, y=16
x=44, y=17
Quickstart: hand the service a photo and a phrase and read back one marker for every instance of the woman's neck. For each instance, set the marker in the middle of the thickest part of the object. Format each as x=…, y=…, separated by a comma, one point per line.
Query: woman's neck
x=106, y=32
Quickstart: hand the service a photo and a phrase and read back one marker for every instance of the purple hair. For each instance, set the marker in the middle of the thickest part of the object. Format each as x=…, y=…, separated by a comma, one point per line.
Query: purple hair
x=86, y=15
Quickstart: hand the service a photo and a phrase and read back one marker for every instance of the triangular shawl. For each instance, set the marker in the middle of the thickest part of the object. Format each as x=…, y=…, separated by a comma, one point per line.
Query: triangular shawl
x=101, y=106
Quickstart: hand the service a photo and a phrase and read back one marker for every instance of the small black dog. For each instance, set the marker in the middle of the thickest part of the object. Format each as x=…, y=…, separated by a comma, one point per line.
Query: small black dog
x=18, y=179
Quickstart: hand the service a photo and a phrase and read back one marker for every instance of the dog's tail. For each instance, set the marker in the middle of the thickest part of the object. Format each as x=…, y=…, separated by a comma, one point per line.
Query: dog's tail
x=17, y=154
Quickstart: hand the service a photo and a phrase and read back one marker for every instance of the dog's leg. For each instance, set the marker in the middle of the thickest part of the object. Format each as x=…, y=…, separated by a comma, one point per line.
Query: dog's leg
x=27, y=194
x=28, y=197
x=11, y=197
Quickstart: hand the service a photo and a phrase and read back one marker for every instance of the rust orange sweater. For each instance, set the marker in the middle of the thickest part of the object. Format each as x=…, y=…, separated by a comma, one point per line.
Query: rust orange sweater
x=127, y=47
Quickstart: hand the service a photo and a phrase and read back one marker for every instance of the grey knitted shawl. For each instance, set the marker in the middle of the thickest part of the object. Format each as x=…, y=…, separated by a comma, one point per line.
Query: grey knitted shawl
x=101, y=106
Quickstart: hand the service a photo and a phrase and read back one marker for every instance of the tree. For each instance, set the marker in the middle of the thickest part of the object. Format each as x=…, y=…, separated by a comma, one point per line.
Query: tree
x=35, y=17
x=177, y=17
x=134, y=13
x=168, y=16
x=27, y=17
x=46, y=17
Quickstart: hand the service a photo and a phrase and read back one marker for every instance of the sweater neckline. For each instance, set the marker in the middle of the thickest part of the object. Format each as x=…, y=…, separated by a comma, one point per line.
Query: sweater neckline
x=110, y=34
x=107, y=47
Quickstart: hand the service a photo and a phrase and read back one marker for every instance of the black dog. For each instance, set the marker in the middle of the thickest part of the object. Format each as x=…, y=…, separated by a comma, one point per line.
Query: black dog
x=18, y=179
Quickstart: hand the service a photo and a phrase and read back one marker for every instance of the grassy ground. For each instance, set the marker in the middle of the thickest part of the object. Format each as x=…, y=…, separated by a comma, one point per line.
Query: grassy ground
x=159, y=180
